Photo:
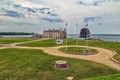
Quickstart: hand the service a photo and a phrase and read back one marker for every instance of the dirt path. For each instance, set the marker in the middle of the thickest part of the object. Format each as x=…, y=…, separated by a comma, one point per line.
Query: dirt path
x=103, y=56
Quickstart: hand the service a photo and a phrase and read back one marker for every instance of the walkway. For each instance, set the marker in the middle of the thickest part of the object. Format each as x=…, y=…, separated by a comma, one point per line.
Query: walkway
x=103, y=56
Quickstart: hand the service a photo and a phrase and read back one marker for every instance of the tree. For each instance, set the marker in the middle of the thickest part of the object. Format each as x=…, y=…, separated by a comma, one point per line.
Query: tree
x=84, y=33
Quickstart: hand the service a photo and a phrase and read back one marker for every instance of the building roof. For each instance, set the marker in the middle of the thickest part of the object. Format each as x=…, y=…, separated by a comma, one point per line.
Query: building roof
x=53, y=30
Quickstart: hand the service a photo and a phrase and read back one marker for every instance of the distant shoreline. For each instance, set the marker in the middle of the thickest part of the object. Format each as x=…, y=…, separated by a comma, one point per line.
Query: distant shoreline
x=104, y=37
x=16, y=36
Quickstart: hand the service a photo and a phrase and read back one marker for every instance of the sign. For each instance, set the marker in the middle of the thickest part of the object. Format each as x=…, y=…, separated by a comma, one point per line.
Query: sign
x=59, y=41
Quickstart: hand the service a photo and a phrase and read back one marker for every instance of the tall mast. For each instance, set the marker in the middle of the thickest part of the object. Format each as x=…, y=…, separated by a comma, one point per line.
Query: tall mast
x=77, y=35
x=86, y=37
x=66, y=35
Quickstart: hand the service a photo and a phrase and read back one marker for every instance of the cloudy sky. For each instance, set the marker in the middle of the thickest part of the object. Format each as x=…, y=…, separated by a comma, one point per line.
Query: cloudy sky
x=102, y=16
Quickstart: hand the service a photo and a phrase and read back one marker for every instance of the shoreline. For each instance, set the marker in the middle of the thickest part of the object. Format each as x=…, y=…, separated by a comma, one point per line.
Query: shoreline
x=101, y=37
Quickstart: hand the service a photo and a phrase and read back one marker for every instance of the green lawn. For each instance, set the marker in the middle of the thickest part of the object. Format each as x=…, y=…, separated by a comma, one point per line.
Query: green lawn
x=14, y=40
x=27, y=64
x=104, y=44
x=108, y=77
x=44, y=43
x=48, y=43
x=77, y=50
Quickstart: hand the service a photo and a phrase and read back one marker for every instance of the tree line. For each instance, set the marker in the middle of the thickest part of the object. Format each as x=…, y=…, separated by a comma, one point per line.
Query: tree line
x=15, y=33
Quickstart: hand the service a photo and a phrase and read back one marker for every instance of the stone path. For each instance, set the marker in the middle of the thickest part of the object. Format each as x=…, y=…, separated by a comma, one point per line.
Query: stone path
x=103, y=56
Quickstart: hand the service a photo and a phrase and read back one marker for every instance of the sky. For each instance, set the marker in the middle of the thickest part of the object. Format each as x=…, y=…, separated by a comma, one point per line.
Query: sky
x=102, y=16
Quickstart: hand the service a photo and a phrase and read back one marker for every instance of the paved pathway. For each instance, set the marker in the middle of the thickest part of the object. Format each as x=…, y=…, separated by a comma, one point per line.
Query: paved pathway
x=103, y=56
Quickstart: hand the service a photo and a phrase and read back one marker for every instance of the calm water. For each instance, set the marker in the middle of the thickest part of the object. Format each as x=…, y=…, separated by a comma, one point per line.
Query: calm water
x=16, y=36
x=105, y=37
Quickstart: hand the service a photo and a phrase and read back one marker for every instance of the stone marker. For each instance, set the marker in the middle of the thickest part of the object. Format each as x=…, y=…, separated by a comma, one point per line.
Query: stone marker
x=69, y=78
x=61, y=64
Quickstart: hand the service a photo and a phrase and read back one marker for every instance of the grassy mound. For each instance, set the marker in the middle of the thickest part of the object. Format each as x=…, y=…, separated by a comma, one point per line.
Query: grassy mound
x=108, y=77
x=77, y=50
x=26, y=64
x=14, y=40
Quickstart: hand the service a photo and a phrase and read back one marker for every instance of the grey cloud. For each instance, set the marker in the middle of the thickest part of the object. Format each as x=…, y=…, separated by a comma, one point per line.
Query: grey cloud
x=96, y=2
x=47, y=11
x=15, y=14
x=16, y=5
x=24, y=24
x=16, y=10
x=53, y=20
x=88, y=19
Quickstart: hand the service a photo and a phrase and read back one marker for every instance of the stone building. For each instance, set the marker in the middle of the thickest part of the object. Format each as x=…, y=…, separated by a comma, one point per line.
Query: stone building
x=55, y=33
x=35, y=35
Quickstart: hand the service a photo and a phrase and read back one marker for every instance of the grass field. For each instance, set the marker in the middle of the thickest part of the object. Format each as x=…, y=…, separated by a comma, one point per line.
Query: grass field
x=14, y=40
x=108, y=77
x=104, y=44
x=27, y=64
x=50, y=43
x=77, y=50
x=45, y=43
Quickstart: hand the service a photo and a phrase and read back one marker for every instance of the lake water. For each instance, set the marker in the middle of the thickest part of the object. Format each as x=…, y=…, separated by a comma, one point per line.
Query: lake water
x=105, y=37
x=16, y=36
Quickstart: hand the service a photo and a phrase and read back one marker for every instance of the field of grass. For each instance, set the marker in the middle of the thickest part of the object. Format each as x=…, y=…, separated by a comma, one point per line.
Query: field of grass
x=27, y=64
x=108, y=77
x=49, y=43
x=45, y=43
x=14, y=40
x=104, y=44
x=76, y=50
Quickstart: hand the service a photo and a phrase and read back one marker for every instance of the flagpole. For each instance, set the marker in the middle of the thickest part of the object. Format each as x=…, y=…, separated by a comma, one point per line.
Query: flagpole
x=66, y=36
x=86, y=37
x=86, y=44
x=76, y=36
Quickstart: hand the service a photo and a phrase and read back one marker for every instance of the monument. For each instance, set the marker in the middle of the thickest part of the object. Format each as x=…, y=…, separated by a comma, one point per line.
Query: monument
x=61, y=64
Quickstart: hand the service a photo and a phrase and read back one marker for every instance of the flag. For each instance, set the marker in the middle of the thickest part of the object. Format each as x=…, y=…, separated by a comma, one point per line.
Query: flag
x=86, y=24
x=66, y=24
x=77, y=24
